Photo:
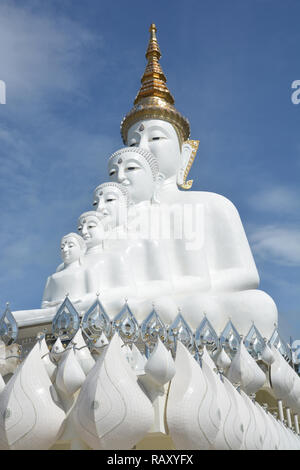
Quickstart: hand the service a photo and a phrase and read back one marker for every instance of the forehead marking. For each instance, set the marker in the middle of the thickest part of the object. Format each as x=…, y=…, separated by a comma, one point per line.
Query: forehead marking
x=141, y=128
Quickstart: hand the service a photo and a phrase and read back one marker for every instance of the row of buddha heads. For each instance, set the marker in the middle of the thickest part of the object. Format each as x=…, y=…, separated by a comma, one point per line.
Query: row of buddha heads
x=137, y=173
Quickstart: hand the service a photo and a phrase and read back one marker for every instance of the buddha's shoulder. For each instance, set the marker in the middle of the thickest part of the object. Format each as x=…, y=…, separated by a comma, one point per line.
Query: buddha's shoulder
x=209, y=199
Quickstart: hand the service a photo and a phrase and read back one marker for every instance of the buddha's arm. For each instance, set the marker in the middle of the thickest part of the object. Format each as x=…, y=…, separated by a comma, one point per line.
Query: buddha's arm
x=50, y=297
x=231, y=263
x=46, y=302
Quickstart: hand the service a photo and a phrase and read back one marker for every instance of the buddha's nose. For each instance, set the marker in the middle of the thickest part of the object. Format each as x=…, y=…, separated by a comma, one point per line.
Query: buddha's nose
x=121, y=176
x=143, y=143
x=103, y=210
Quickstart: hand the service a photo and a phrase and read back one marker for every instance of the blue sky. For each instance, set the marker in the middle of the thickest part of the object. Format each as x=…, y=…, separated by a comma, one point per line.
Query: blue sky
x=72, y=70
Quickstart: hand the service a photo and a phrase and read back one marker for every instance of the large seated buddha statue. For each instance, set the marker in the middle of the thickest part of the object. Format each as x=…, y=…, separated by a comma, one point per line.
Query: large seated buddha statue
x=220, y=259
x=193, y=255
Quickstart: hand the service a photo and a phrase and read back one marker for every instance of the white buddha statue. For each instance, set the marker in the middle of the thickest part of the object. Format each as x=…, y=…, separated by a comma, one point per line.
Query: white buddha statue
x=107, y=272
x=111, y=199
x=227, y=273
x=138, y=171
x=69, y=277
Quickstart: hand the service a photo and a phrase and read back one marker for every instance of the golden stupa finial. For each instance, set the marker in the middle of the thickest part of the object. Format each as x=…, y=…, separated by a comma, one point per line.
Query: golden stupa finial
x=153, y=47
x=154, y=100
x=153, y=80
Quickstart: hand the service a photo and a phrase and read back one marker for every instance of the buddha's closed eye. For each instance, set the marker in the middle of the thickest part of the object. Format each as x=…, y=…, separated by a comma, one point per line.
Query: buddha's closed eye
x=131, y=168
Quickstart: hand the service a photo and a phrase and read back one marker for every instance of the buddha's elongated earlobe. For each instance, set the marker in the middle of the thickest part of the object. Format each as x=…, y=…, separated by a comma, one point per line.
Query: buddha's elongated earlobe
x=188, y=154
x=159, y=181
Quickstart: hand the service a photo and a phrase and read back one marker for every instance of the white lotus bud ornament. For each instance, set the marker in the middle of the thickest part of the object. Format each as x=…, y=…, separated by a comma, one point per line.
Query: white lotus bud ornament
x=30, y=415
x=189, y=404
x=160, y=365
x=244, y=370
x=112, y=412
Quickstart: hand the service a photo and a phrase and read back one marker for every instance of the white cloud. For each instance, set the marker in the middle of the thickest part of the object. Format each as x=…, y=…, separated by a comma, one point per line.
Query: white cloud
x=40, y=52
x=277, y=199
x=277, y=244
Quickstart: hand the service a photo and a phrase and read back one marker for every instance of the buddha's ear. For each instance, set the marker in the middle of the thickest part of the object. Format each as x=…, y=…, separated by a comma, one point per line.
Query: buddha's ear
x=159, y=180
x=188, y=154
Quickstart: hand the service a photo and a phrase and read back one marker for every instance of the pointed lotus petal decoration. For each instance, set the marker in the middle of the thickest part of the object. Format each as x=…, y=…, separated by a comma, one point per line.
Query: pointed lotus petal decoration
x=180, y=331
x=8, y=327
x=30, y=414
x=100, y=343
x=82, y=353
x=244, y=370
x=280, y=345
x=57, y=350
x=282, y=376
x=267, y=356
x=96, y=321
x=160, y=365
x=138, y=360
x=112, y=412
x=230, y=339
x=222, y=360
x=70, y=375
x=253, y=439
x=206, y=336
x=254, y=342
x=153, y=328
x=66, y=321
x=45, y=355
x=126, y=325
x=190, y=424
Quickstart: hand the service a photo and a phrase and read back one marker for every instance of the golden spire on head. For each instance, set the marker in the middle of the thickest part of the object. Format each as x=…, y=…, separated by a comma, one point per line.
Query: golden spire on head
x=153, y=80
x=154, y=100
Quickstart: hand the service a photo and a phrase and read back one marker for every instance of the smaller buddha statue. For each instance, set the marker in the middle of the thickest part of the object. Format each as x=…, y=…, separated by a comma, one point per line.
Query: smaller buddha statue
x=136, y=169
x=69, y=276
x=106, y=271
x=111, y=199
x=92, y=230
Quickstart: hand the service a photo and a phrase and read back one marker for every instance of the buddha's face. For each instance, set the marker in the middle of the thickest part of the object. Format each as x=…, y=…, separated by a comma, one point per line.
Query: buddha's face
x=92, y=230
x=160, y=138
x=111, y=203
x=134, y=172
x=70, y=250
